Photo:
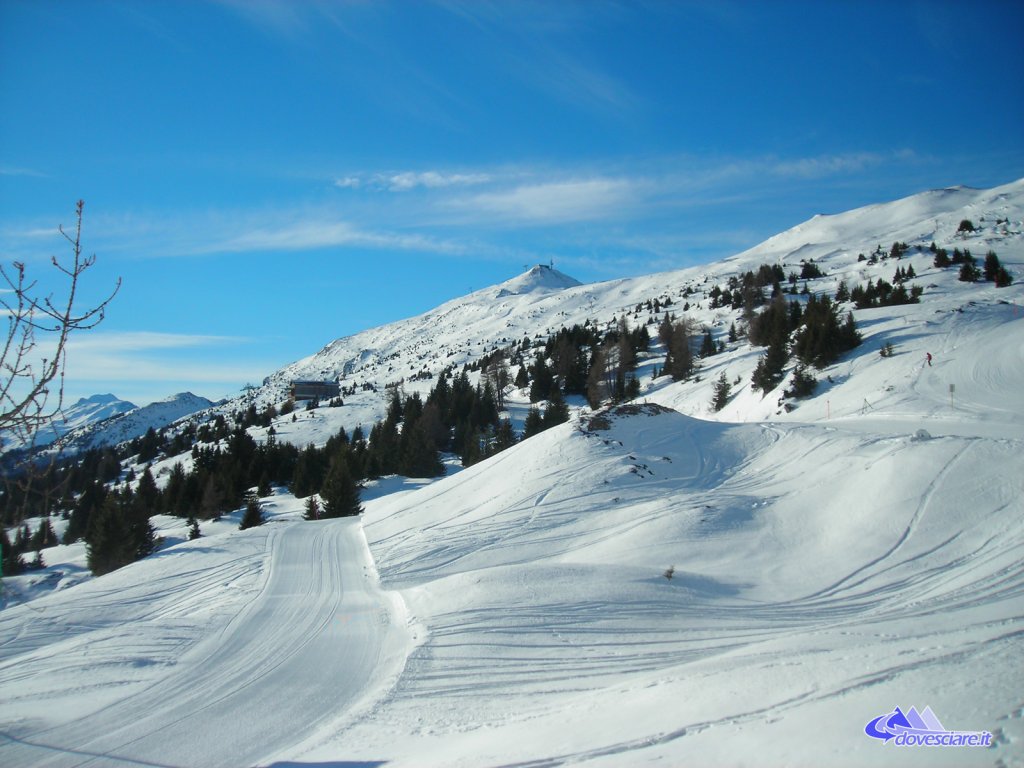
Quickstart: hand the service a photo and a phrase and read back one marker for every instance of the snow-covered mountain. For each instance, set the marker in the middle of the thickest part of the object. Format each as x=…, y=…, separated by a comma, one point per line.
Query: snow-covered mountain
x=542, y=300
x=80, y=415
x=127, y=425
x=656, y=583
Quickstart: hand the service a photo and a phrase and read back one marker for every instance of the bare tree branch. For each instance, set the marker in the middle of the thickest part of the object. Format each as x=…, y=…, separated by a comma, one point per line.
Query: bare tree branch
x=32, y=386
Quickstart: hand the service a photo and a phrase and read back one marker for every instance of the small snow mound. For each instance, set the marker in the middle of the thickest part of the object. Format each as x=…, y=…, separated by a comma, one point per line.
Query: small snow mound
x=921, y=434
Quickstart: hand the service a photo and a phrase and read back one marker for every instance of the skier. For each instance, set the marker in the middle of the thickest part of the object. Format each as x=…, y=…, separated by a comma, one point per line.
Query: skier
x=928, y=357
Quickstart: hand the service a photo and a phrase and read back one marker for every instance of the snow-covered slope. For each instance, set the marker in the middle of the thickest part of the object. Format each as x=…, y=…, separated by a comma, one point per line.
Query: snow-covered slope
x=87, y=411
x=542, y=300
x=134, y=423
x=821, y=576
x=858, y=553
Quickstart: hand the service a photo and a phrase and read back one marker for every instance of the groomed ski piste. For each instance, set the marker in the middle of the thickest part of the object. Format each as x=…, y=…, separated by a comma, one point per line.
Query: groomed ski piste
x=861, y=553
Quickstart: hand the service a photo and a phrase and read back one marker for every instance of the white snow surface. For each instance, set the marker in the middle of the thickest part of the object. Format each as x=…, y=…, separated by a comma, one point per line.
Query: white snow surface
x=86, y=411
x=861, y=552
x=127, y=425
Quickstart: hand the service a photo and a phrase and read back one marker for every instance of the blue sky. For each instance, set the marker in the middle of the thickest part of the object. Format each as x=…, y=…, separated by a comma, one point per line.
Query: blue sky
x=268, y=176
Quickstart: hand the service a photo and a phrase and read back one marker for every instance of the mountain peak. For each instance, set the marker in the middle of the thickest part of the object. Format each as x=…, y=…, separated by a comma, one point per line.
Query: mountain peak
x=541, y=278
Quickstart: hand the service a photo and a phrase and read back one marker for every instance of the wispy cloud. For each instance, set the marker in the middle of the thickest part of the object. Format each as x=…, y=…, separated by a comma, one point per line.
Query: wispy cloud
x=146, y=365
x=143, y=341
x=830, y=165
x=405, y=181
x=551, y=202
x=6, y=170
x=313, y=234
x=467, y=211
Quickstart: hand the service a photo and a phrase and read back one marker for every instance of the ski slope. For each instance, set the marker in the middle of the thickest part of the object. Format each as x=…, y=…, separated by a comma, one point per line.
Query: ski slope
x=860, y=551
x=803, y=604
x=216, y=663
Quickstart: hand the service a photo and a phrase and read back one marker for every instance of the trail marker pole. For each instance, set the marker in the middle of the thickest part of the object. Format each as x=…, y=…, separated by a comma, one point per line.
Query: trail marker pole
x=952, y=389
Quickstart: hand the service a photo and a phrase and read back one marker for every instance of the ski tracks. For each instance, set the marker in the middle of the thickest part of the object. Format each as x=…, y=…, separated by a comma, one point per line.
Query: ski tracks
x=304, y=650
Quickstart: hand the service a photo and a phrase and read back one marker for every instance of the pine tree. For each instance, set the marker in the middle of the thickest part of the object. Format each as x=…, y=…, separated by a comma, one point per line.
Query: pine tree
x=556, y=413
x=707, y=347
x=968, y=272
x=340, y=492
x=253, y=515
x=804, y=383
x=193, y=529
x=768, y=372
x=147, y=494
x=44, y=536
x=992, y=266
x=522, y=379
x=534, y=423
x=313, y=511
x=504, y=436
x=543, y=378
x=842, y=292
x=419, y=455
x=109, y=543
x=13, y=563
x=722, y=391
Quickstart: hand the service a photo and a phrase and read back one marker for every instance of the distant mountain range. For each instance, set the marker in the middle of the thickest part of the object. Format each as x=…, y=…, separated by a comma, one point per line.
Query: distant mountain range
x=120, y=420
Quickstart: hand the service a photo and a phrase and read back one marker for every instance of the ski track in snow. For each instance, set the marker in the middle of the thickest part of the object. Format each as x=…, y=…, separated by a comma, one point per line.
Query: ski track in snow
x=305, y=647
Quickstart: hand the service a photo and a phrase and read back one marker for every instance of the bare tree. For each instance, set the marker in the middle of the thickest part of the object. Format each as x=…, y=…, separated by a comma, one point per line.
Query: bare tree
x=38, y=327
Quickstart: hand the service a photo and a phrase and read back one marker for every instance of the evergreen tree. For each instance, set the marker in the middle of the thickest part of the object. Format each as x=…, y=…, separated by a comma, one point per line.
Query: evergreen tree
x=109, y=543
x=253, y=515
x=44, y=536
x=213, y=498
x=340, y=493
x=147, y=495
x=804, y=383
x=88, y=503
x=504, y=436
x=175, y=490
x=534, y=423
x=542, y=379
x=193, y=529
x=419, y=456
x=313, y=511
x=308, y=475
x=707, y=347
x=556, y=413
x=768, y=372
x=822, y=338
x=722, y=391
x=472, y=447
x=596, y=385
x=678, y=356
x=522, y=379
x=968, y=272
x=12, y=562
x=992, y=266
